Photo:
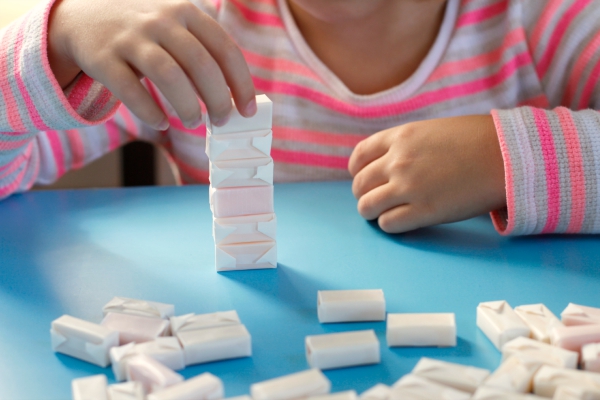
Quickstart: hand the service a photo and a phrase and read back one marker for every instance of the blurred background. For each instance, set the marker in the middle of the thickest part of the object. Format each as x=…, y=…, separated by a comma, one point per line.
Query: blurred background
x=137, y=164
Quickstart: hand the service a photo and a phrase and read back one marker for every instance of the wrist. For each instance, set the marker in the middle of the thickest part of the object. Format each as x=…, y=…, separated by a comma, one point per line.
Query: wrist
x=63, y=67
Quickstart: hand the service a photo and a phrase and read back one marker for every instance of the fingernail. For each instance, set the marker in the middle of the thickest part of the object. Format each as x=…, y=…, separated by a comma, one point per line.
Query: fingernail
x=164, y=125
x=251, y=108
x=220, y=122
x=195, y=124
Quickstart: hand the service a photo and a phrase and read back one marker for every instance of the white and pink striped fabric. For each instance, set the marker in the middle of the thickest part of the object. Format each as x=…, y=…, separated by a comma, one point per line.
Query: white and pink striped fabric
x=535, y=66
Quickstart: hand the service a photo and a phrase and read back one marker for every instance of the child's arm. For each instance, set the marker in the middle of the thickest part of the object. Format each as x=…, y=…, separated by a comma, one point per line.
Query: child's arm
x=46, y=129
x=540, y=169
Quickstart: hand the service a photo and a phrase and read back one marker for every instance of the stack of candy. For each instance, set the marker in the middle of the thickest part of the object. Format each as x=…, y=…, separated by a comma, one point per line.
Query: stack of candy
x=241, y=190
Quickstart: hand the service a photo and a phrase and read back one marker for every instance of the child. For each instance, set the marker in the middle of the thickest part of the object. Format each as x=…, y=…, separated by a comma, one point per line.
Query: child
x=455, y=107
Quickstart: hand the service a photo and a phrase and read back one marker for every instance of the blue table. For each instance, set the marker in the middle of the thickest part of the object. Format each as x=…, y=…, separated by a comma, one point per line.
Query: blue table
x=70, y=252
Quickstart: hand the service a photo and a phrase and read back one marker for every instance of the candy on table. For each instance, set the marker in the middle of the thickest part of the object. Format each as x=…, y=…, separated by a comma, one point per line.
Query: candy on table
x=133, y=328
x=576, y=314
x=414, y=387
x=82, y=339
x=239, y=146
x=257, y=255
x=202, y=387
x=567, y=392
x=337, y=350
x=126, y=391
x=377, y=392
x=237, y=173
x=237, y=201
x=574, y=337
x=92, y=387
x=548, y=378
x=543, y=352
x=294, y=386
x=150, y=373
x=213, y=344
x=165, y=350
x=515, y=374
x=539, y=319
x=500, y=323
x=461, y=377
x=263, y=119
x=350, y=305
x=590, y=357
x=245, y=229
x=490, y=393
x=142, y=308
x=347, y=395
x=193, y=322
x=421, y=330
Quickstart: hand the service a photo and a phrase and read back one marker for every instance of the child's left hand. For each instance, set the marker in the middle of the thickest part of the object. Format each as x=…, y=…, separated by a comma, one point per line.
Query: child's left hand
x=429, y=172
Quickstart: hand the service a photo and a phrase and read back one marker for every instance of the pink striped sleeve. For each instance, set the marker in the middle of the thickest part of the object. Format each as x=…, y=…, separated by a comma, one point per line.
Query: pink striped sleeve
x=40, y=124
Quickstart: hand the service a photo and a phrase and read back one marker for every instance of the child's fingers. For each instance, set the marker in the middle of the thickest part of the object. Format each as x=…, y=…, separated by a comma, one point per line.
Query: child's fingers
x=403, y=218
x=378, y=201
x=367, y=151
x=158, y=65
x=228, y=56
x=202, y=69
x=370, y=177
x=126, y=86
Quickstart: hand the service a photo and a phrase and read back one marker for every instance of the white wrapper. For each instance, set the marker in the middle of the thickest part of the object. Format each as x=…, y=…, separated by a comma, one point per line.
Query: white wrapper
x=213, y=344
x=142, y=308
x=539, y=319
x=193, y=322
x=347, y=395
x=414, y=387
x=151, y=374
x=201, y=387
x=245, y=229
x=239, y=146
x=543, y=352
x=133, y=328
x=490, y=393
x=338, y=350
x=421, y=330
x=165, y=350
x=263, y=119
x=92, y=387
x=574, y=337
x=576, y=393
x=590, y=357
x=83, y=340
x=377, y=392
x=350, y=305
x=458, y=376
x=242, y=256
x=238, y=201
x=126, y=391
x=295, y=386
x=548, y=378
x=238, y=173
x=515, y=374
x=576, y=314
x=500, y=323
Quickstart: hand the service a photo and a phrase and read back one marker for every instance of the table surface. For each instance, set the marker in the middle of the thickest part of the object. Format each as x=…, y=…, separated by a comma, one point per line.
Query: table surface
x=70, y=252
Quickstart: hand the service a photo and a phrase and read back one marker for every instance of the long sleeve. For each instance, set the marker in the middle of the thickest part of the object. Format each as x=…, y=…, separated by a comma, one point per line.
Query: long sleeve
x=36, y=116
x=552, y=154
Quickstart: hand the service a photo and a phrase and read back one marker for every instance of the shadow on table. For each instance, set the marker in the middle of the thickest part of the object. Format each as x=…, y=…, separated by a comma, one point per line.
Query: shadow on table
x=285, y=284
x=477, y=238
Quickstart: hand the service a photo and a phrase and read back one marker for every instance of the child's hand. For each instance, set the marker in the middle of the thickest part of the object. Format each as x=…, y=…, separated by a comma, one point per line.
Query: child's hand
x=171, y=42
x=429, y=172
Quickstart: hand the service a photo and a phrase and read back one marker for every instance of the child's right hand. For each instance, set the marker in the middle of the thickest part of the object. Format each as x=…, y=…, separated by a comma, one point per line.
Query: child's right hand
x=179, y=48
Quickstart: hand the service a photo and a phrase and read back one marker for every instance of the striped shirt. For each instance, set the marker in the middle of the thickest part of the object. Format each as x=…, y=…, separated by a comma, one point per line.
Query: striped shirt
x=535, y=66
